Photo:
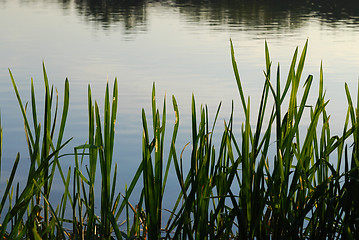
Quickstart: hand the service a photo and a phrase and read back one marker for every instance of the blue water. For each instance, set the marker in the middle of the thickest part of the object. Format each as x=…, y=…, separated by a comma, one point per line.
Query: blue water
x=181, y=46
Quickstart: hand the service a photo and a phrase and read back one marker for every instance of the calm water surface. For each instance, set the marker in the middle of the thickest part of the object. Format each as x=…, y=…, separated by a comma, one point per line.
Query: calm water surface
x=182, y=46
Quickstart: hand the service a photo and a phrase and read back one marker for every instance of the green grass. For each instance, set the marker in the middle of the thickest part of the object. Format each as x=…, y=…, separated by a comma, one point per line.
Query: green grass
x=236, y=186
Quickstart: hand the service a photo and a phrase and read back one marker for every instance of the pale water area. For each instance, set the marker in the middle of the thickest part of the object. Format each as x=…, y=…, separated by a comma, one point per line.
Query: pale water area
x=181, y=46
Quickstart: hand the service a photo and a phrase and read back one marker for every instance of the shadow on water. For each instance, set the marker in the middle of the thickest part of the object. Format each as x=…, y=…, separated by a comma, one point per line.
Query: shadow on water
x=277, y=15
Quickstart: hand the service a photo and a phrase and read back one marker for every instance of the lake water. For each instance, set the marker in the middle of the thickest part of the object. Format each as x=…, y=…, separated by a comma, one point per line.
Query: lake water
x=182, y=46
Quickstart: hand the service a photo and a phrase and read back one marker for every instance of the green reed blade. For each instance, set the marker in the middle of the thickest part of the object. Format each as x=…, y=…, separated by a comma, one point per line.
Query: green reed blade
x=215, y=119
x=194, y=127
x=267, y=58
x=48, y=103
x=301, y=62
x=23, y=111
x=260, y=119
x=160, y=160
x=98, y=139
x=33, y=105
x=34, y=157
x=222, y=147
x=64, y=114
x=321, y=80
x=91, y=137
x=66, y=196
x=61, y=129
x=9, y=183
x=173, y=141
x=312, y=128
x=92, y=164
x=113, y=116
x=90, y=115
x=114, y=225
x=278, y=110
x=112, y=196
x=52, y=128
x=236, y=74
x=55, y=152
x=146, y=144
x=115, y=203
x=299, y=113
x=291, y=75
x=106, y=135
x=82, y=177
x=183, y=184
x=292, y=108
x=154, y=108
x=130, y=189
x=247, y=167
x=45, y=142
x=350, y=107
x=340, y=142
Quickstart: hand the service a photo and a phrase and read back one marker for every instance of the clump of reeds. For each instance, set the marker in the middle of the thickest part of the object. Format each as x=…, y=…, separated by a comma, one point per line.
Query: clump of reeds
x=29, y=210
x=239, y=189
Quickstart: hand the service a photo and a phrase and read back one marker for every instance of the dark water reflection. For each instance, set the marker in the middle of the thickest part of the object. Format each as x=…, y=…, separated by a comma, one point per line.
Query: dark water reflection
x=108, y=13
x=274, y=15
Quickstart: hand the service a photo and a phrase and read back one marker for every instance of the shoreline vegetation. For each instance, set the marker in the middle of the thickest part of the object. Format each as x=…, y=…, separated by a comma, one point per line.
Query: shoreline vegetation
x=307, y=190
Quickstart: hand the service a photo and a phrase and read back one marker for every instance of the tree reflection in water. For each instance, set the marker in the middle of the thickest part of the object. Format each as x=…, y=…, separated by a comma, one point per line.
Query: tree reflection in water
x=107, y=13
x=251, y=14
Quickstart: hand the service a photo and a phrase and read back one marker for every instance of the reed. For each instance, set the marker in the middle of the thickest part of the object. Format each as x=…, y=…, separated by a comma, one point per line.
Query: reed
x=86, y=224
x=155, y=166
x=303, y=179
x=44, y=159
x=235, y=188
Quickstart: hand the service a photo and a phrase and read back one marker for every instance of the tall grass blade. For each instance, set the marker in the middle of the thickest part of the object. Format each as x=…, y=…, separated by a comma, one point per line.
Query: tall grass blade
x=238, y=80
x=9, y=183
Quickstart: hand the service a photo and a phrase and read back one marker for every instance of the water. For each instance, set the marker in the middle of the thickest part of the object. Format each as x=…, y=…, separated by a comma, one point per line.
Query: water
x=182, y=46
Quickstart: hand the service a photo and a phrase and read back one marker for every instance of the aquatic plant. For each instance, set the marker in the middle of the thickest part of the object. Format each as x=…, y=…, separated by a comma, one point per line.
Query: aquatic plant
x=239, y=189
x=44, y=160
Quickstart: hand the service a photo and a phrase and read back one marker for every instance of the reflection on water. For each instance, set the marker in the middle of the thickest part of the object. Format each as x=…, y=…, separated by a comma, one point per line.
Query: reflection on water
x=108, y=13
x=65, y=4
x=274, y=15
